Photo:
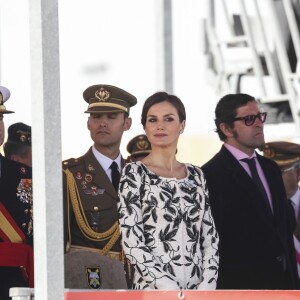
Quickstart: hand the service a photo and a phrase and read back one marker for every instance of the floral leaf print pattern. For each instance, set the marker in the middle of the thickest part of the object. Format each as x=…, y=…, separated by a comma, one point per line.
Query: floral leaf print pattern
x=168, y=233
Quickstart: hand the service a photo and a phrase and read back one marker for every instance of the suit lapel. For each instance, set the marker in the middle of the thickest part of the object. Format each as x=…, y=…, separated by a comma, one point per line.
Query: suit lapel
x=240, y=176
x=272, y=184
x=244, y=181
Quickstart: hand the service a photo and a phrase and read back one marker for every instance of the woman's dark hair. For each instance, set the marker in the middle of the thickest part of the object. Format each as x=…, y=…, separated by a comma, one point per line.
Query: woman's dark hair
x=163, y=97
x=226, y=109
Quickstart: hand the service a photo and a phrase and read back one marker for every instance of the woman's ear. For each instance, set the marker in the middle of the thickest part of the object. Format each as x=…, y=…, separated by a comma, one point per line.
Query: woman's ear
x=182, y=126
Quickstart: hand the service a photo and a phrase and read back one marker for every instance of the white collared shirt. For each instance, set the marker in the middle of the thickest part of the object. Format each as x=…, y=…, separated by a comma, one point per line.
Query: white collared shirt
x=239, y=155
x=105, y=161
x=295, y=199
x=296, y=202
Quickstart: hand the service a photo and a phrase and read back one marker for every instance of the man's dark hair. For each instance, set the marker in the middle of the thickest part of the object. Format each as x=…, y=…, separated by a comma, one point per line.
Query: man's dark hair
x=226, y=109
x=17, y=149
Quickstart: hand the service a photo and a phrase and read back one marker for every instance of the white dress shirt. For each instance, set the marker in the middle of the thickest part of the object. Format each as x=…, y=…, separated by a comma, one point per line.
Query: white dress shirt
x=105, y=161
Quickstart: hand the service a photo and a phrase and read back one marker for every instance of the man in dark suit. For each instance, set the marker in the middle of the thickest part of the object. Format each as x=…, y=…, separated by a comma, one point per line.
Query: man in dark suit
x=91, y=186
x=16, y=218
x=248, y=203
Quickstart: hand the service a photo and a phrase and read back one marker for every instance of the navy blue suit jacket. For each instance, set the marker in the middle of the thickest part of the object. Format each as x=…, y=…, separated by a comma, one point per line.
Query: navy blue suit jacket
x=256, y=245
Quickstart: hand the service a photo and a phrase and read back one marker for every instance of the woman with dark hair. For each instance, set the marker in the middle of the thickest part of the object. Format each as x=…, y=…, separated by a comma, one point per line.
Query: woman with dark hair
x=168, y=233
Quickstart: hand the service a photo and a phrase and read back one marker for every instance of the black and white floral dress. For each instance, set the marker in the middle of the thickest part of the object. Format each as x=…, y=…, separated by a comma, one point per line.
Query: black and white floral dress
x=168, y=233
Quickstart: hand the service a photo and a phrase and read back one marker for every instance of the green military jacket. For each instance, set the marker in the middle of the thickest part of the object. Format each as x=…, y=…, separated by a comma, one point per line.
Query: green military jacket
x=90, y=205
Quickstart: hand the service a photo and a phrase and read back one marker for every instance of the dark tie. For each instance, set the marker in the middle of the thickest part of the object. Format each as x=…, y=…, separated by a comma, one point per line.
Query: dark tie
x=115, y=175
x=292, y=214
x=252, y=165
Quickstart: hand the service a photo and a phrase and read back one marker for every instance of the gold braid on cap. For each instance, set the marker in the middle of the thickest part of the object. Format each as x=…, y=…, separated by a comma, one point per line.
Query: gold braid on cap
x=112, y=234
x=103, y=104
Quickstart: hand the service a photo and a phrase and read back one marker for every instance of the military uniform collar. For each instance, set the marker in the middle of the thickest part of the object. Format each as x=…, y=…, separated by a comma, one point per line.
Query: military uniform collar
x=105, y=161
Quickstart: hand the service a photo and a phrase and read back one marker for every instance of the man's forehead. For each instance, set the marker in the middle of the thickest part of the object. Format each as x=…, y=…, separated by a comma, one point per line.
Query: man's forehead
x=249, y=106
x=103, y=114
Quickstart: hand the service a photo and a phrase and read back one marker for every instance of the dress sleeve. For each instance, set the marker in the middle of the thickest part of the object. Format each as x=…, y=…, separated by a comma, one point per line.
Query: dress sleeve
x=149, y=273
x=209, y=244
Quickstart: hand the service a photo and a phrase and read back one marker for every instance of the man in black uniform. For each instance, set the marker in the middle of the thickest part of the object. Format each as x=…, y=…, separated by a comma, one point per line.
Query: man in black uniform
x=18, y=144
x=16, y=223
x=90, y=190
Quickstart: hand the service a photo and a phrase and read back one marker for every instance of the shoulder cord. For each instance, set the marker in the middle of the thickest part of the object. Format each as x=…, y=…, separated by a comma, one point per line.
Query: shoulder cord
x=112, y=233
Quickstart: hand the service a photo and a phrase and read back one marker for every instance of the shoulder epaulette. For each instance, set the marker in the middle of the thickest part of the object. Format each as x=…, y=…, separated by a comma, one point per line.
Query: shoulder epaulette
x=70, y=162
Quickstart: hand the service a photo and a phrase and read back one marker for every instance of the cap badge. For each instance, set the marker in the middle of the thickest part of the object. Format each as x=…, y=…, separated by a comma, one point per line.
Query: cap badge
x=268, y=152
x=142, y=144
x=93, y=277
x=102, y=94
x=24, y=136
x=2, y=107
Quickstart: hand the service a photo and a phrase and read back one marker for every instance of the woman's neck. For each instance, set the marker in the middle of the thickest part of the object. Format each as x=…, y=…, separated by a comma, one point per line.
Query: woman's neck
x=164, y=163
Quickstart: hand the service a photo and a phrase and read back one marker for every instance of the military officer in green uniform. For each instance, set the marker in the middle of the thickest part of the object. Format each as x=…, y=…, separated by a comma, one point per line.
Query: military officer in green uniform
x=91, y=183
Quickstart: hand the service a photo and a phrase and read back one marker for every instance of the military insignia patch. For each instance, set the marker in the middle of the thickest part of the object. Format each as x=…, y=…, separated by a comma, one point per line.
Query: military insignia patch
x=22, y=170
x=88, y=177
x=94, y=191
x=102, y=94
x=93, y=277
x=78, y=175
x=24, y=190
x=24, y=193
x=91, y=168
